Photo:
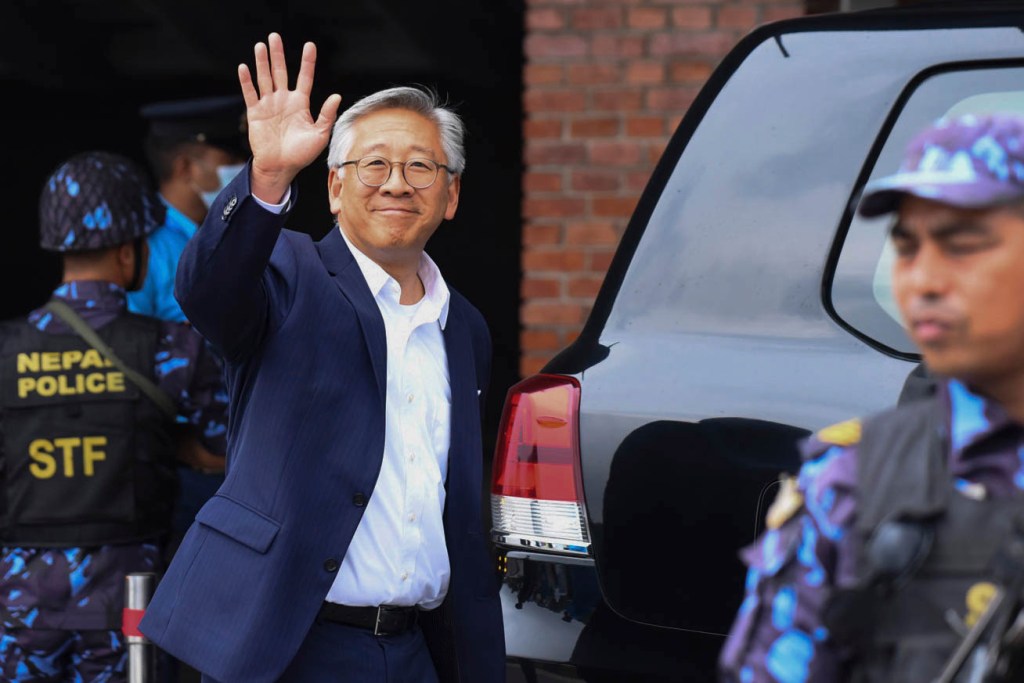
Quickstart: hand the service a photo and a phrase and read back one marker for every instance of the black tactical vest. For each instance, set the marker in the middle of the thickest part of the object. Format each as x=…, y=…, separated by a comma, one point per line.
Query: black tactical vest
x=87, y=458
x=906, y=618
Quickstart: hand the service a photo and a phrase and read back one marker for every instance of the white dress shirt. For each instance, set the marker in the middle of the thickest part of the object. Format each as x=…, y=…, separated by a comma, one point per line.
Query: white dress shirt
x=398, y=554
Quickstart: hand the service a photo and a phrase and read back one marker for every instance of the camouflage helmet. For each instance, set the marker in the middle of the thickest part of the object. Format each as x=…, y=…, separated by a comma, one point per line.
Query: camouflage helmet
x=97, y=200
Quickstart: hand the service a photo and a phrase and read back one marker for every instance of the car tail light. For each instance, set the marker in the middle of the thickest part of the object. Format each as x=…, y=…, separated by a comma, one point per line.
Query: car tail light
x=536, y=488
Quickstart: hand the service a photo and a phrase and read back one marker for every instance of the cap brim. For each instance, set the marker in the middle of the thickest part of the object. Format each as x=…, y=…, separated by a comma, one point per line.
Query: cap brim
x=885, y=194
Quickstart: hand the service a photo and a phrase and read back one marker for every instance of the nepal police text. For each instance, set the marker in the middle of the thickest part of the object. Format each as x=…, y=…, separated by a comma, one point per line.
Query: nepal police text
x=67, y=384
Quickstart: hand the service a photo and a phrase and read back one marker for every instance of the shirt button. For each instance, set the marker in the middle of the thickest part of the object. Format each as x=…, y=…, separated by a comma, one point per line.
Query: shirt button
x=331, y=564
x=359, y=500
x=405, y=576
x=410, y=398
x=412, y=517
x=412, y=456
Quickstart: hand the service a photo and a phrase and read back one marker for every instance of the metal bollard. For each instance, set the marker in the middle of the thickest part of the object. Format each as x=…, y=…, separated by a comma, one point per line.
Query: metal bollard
x=138, y=589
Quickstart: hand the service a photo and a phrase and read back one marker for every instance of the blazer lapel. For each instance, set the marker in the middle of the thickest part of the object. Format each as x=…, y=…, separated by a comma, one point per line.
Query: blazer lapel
x=346, y=275
x=461, y=374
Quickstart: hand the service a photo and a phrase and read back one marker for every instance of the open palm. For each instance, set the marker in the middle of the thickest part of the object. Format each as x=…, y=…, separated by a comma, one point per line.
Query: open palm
x=283, y=136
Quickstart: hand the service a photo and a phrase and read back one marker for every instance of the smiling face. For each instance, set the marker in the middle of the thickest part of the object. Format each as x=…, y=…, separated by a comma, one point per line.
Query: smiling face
x=959, y=281
x=392, y=223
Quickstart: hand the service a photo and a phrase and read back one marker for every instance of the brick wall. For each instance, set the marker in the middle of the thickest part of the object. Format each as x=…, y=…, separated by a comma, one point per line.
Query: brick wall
x=606, y=83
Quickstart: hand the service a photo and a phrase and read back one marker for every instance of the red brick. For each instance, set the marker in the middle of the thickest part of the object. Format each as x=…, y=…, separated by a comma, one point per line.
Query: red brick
x=540, y=288
x=655, y=151
x=540, y=340
x=616, y=153
x=535, y=100
x=710, y=44
x=558, y=260
x=552, y=208
x=647, y=18
x=783, y=10
x=569, y=336
x=541, y=153
x=616, y=45
x=595, y=181
x=691, y=72
x=542, y=234
x=594, y=128
x=645, y=72
x=543, y=313
x=614, y=206
x=618, y=100
x=636, y=181
x=597, y=18
x=645, y=126
x=542, y=128
x=592, y=74
x=599, y=261
x=542, y=74
x=585, y=287
x=543, y=46
x=544, y=19
x=696, y=18
x=591, y=233
x=742, y=17
x=542, y=182
x=673, y=121
x=671, y=99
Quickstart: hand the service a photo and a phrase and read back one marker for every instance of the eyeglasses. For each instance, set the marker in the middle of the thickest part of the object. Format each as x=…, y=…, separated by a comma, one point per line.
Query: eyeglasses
x=375, y=171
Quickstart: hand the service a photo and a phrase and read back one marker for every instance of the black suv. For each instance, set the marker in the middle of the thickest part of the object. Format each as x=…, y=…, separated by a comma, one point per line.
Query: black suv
x=746, y=306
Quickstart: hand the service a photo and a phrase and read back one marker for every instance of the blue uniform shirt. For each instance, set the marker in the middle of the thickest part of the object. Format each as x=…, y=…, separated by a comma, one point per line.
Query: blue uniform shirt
x=82, y=588
x=156, y=297
x=779, y=634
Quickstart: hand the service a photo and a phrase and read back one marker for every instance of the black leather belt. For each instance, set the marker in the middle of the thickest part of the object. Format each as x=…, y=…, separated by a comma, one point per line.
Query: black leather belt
x=385, y=620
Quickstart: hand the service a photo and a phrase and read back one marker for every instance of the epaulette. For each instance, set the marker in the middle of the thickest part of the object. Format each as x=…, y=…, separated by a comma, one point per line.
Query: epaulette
x=841, y=434
x=787, y=502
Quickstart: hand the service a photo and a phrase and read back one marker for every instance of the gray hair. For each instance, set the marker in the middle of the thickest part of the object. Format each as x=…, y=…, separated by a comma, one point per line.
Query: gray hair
x=422, y=101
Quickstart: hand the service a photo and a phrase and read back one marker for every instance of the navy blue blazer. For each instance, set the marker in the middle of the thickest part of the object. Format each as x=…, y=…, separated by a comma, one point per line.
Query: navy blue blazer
x=305, y=357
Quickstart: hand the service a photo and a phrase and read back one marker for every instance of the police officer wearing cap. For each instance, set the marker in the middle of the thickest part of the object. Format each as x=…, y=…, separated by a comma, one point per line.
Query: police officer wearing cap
x=93, y=400
x=879, y=557
x=194, y=148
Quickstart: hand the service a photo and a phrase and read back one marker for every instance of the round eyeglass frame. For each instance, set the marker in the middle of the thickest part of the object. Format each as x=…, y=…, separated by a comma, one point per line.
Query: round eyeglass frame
x=391, y=167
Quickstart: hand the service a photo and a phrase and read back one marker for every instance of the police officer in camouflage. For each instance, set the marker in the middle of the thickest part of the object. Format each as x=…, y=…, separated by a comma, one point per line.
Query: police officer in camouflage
x=93, y=400
x=879, y=556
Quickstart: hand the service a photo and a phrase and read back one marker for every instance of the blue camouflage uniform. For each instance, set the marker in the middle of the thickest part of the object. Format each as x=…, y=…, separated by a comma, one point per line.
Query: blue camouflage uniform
x=61, y=607
x=779, y=633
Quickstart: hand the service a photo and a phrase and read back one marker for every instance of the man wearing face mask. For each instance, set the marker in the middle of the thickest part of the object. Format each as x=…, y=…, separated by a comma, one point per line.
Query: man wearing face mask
x=194, y=148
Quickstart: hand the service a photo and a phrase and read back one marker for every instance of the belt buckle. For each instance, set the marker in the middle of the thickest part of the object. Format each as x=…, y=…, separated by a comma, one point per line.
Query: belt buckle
x=376, y=624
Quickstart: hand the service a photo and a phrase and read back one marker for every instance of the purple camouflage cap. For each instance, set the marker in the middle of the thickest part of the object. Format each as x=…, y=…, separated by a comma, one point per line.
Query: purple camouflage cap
x=974, y=161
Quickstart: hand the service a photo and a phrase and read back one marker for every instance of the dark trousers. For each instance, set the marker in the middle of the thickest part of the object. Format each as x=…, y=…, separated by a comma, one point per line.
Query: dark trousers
x=335, y=653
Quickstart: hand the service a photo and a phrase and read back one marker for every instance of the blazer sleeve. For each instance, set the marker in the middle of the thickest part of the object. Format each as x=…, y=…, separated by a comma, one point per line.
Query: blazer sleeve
x=226, y=284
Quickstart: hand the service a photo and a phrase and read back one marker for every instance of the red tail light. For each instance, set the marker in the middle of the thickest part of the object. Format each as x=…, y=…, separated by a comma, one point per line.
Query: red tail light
x=537, y=492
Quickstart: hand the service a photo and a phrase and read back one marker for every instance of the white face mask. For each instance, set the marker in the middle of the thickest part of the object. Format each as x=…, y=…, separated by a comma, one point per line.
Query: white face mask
x=225, y=174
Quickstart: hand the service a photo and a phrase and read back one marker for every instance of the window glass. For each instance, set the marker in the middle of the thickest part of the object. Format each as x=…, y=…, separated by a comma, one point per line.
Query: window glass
x=861, y=290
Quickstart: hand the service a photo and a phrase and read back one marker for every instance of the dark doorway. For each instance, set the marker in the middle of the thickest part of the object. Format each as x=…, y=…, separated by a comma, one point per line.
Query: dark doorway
x=75, y=72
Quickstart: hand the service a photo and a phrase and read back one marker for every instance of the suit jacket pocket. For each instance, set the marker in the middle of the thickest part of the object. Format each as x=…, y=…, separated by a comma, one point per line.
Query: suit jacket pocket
x=239, y=522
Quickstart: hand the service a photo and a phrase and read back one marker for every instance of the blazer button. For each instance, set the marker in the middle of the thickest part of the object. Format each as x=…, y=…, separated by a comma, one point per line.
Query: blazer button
x=331, y=564
x=359, y=500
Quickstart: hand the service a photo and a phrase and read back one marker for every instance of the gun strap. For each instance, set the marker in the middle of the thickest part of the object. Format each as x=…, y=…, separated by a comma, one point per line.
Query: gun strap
x=75, y=322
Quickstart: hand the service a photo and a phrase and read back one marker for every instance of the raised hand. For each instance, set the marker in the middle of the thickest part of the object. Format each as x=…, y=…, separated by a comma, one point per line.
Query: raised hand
x=283, y=136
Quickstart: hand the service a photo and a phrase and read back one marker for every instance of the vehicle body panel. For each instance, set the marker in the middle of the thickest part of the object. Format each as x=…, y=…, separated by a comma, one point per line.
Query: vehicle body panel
x=713, y=348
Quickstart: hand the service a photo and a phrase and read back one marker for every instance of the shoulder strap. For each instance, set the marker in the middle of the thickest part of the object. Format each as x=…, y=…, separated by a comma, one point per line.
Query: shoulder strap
x=901, y=461
x=75, y=322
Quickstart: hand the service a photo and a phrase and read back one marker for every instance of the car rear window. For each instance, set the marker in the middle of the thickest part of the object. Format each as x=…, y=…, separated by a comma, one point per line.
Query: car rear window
x=861, y=292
